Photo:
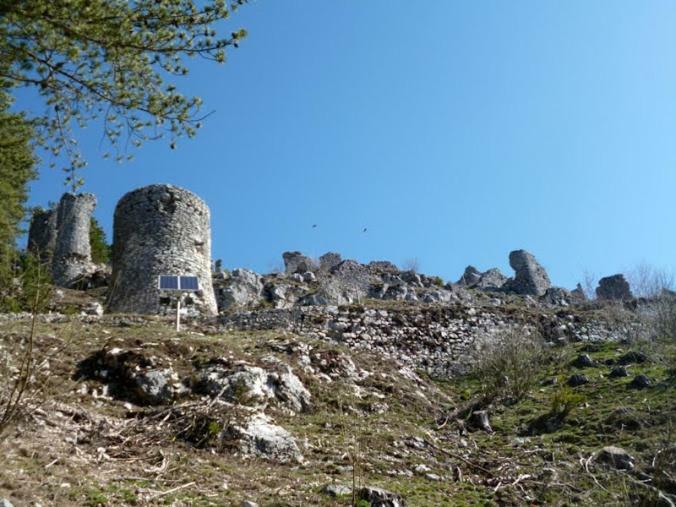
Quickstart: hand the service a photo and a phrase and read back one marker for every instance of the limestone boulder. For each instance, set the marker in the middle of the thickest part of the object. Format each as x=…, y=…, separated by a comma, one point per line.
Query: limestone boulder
x=558, y=296
x=296, y=262
x=379, y=497
x=470, y=277
x=616, y=457
x=493, y=279
x=530, y=277
x=259, y=436
x=132, y=376
x=248, y=385
x=243, y=288
x=329, y=260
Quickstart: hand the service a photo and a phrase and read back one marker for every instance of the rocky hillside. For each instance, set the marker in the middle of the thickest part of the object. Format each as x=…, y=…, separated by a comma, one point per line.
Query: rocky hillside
x=493, y=400
x=340, y=383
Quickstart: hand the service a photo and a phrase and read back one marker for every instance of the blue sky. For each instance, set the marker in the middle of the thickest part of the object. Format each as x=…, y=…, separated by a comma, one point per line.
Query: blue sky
x=453, y=131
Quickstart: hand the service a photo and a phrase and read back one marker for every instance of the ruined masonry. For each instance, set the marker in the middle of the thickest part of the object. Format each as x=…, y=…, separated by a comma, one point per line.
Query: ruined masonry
x=60, y=238
x=160, y=230
x=42, y=234
x=72, y=253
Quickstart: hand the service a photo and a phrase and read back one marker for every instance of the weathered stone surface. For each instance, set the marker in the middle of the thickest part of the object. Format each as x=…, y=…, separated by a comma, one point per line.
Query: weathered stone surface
x=72, y=252
x=583, y=361
x=252, y=384
x=336, y=490
x=577, y=380
x=329, y=260
x=160, y=230
x=633, y=357
x=296, y=262
x=348, y=282
x=530, y=278
x=42, y=234
x=5, y=503
x=480, y=421
x=492, y=279
x=618, y=371
x=378, y=497
x=615, y=457
x=243, y=288
x=640, y=382
x=578, y=294
x=155, y=386
x=613, y=288
x=440, y=340
x=97, y=275
x=258, y=436
x=558, y=296
x=381, y=267
x=436, y=296
x=131, y=376
x=94, y=308
x=470, y=277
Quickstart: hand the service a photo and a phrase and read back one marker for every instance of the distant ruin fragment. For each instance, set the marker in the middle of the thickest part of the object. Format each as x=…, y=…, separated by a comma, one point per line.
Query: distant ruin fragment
x=72, y=252
x=530, y=278
x=160, y=230
x=613, y=288
x=42, y=234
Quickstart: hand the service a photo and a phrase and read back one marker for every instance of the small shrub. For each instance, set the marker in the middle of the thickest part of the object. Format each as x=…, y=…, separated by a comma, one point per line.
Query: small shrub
x=665, y=316
x=562, y=403
x=509, y=366
x=438, y=281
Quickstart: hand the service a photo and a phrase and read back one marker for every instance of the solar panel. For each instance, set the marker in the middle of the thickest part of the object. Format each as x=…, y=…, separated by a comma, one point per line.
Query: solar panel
x=168, y=282
x=189, y=283
x=173, y=282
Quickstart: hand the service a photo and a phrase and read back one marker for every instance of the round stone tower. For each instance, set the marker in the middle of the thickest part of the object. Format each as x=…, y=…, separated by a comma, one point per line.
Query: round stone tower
x=160, y=230
x=72, y=253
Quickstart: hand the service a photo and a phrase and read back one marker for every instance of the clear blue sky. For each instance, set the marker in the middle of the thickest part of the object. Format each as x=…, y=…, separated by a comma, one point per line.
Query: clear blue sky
x=454, y=131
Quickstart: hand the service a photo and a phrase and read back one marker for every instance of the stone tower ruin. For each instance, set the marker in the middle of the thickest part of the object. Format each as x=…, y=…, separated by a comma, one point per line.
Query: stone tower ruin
x=42, y=234
x=159, y=230
x=72, y=252
x=59, y=237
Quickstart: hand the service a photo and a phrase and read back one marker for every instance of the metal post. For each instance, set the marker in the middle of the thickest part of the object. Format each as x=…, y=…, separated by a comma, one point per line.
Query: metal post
x=178, y=313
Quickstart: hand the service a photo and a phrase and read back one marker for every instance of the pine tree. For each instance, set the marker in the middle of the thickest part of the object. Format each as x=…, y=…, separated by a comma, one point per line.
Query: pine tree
x=97, y=242
x=16, y=171
x=111, y=60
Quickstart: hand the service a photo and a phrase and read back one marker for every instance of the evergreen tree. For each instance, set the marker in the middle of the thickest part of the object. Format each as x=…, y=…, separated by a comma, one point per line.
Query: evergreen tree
x=16, y=170
x=97, y=242
x=111, y=60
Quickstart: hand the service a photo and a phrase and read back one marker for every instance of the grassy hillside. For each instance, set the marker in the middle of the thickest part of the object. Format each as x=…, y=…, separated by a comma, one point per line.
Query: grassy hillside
x=84, y=439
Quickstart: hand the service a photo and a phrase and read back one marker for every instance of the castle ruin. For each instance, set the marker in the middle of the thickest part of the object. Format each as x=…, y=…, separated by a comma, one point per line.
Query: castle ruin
x=72, y=253
x=42, y=234
x=160, y=230
x=59, y=237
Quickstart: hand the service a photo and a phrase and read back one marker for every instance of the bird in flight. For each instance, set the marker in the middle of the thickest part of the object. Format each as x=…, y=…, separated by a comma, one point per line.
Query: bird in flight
x=314, y=226
x=364, y=229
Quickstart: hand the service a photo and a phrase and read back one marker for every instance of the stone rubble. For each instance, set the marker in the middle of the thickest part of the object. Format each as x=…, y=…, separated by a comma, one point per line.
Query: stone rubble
x=613, y=288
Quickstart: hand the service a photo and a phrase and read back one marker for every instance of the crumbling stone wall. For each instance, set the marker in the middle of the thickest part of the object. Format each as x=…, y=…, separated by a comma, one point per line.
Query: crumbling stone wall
x=42, y=234
x=72, y=252
x=442, y=340
x=160, y=230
